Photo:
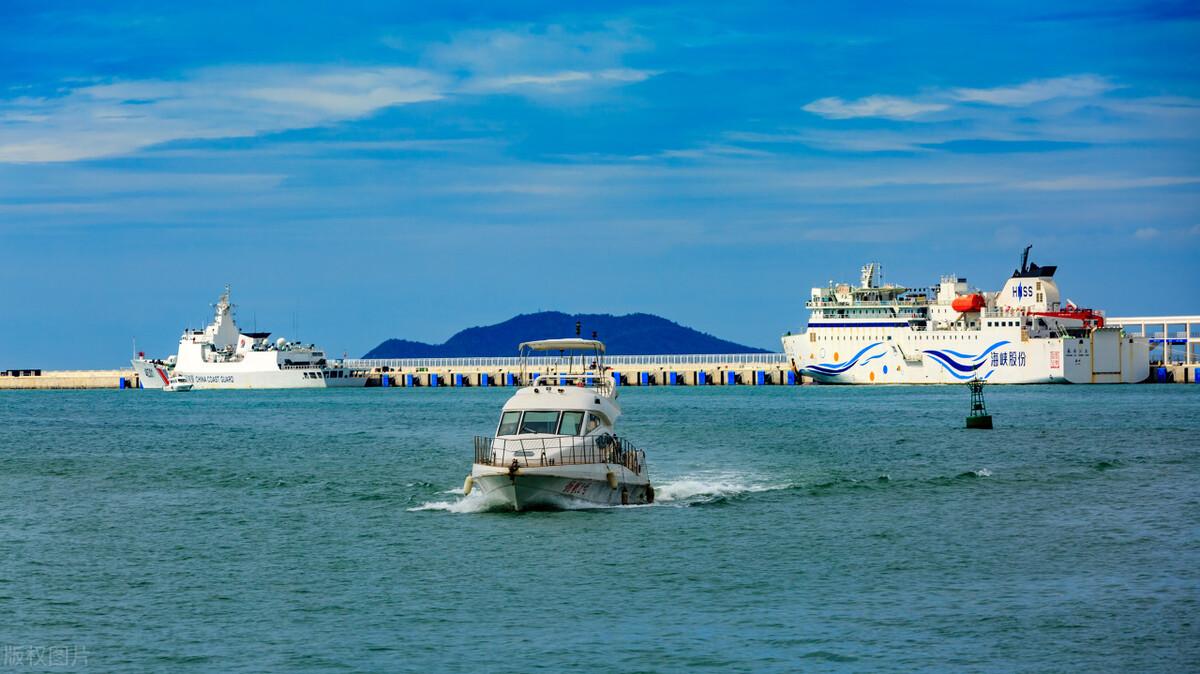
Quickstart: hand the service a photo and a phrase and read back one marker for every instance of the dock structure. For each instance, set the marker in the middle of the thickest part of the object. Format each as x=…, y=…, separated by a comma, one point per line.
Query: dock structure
x=1174, y=344
x=743, y=369
x=1175, y=340
x=67, y=379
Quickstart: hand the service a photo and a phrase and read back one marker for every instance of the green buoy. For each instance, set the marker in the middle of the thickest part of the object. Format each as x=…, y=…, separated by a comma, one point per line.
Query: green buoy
x=978, y=418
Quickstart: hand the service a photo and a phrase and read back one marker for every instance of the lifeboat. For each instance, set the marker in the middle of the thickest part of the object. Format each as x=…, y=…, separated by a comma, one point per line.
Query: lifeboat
x=968, y=303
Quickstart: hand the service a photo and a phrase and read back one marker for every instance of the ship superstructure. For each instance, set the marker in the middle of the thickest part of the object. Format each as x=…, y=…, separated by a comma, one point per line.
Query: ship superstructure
x=222, y=356
x=877, y=333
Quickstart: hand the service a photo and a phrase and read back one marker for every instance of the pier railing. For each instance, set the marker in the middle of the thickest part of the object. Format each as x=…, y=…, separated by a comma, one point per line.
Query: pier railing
x=560, y=451
x=542, y=362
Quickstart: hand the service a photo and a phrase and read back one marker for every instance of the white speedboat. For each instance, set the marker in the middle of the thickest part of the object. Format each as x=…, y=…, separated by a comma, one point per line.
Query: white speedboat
x=556, y=445
x=178, y=384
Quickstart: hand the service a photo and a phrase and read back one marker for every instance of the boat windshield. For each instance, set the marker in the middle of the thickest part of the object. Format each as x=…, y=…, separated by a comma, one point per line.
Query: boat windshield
x=544, y=422
x=509, y=422
x=539, y=422
x=571, y=421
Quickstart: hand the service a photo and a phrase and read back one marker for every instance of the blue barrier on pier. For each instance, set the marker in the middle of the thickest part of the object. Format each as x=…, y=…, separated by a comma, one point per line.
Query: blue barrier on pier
x=645, y=378
x=791, y=377
x=385, y=381
x=616, y=378
x=674, y=379
x=433, y=379
x=122, y=384
x=1160, y=375
x=760, y=377
x=408, y=380
x=701, y=378
x=458, y=380
x=510, y=379
x=484, y=380
x=731, y=378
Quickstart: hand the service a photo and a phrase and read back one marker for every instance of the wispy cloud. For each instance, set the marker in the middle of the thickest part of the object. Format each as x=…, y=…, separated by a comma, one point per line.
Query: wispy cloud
x=1036, y=91
x=886, y=107
x=883, y=106
x=539, y=60
x=1108, y=182
x=554, y=82
x=86, y=120
x=96, y=120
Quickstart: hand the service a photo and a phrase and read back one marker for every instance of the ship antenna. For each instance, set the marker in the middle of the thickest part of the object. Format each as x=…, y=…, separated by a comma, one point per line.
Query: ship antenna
x=1025, y=259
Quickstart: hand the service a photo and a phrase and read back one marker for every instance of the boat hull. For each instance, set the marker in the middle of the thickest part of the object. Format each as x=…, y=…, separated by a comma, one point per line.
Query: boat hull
x=898, y=356
x=560, y=487
x=156, y=376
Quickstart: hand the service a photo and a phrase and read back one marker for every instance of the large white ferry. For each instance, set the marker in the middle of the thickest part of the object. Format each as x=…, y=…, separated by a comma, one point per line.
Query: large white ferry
x=222, y=356
x=1024, y=334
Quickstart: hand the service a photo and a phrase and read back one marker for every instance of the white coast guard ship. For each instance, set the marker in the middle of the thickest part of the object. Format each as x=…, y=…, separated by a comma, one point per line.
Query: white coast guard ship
x=222, y=356
x=1024, y=334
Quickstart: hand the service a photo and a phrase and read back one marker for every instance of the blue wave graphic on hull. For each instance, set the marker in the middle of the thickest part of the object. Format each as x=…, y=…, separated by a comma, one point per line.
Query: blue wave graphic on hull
x=951, y=361
x=831, y=369
x=867, y=360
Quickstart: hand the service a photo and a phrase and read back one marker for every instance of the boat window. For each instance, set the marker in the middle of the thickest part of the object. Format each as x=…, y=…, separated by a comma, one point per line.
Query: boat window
x=539, y=422
x=571, y=423
x=594, y=421
x=508, y=423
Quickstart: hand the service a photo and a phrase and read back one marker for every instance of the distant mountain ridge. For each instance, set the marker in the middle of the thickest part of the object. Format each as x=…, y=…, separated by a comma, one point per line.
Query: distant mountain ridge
x=629, y=334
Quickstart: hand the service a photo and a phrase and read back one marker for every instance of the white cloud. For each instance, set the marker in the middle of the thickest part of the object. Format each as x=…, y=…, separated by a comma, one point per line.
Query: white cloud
x=1146, y=233
x=887, y=107
x=899, y=108
x=1107, y=182
x=92, y=119
x=1036, y=91
x=539, y=60
x=556, y=81
x=534, y=50
x=105, y=119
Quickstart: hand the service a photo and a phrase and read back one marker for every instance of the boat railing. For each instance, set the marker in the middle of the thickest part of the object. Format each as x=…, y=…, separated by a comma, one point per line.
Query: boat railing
x=558, y=451
x=599, y=383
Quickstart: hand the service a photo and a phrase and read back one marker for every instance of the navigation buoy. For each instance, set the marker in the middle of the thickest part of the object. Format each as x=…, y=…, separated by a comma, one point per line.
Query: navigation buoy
x=468, y=485
x=979, y=417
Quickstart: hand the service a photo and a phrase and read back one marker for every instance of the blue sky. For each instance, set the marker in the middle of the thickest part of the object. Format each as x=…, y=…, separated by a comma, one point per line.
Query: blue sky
x=406, y=170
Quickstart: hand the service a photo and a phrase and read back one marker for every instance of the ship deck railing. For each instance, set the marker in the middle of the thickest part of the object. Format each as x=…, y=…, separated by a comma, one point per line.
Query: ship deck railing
x=558, y=451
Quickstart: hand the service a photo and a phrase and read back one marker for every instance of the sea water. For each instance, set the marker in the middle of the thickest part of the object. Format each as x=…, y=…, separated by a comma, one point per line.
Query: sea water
x=796, y=529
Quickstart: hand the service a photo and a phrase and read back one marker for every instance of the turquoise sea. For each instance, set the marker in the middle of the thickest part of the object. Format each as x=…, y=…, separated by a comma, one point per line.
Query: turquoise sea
x=797, y=529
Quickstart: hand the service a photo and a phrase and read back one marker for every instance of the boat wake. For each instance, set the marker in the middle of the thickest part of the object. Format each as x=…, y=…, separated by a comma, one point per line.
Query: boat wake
x=471, y=503
x=682, y=492
x=698, y=490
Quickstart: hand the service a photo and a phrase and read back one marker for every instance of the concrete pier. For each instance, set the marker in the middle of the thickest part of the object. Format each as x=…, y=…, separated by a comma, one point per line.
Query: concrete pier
x=764, y=369
x=69, y=379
